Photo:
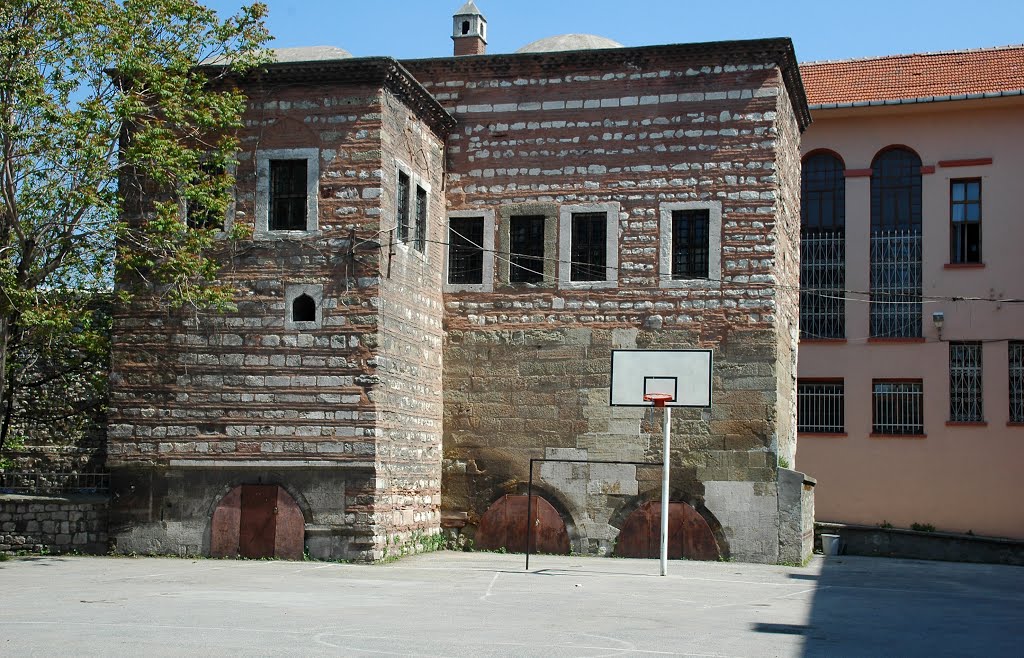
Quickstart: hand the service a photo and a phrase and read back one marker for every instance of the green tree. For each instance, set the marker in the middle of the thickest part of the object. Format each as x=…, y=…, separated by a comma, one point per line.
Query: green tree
x=101, y=100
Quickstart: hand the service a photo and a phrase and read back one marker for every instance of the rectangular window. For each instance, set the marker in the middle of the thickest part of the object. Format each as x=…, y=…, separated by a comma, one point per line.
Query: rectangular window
x=526, y=242
x=965, y=399
x=589, y=246
x=898, y=407
x=402, y=221
x=690, y=244
x=1016, y=381
x=421, y=219
x=465, y=250
x=211, y=178
x=965, y=220
x=820, y=407
x=287, y=195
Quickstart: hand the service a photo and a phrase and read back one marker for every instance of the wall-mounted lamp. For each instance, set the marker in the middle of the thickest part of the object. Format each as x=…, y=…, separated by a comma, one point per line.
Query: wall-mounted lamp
x=938, y=318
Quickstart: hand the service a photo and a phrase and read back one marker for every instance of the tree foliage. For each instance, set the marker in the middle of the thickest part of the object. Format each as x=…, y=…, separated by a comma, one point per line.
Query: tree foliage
x=100, y=102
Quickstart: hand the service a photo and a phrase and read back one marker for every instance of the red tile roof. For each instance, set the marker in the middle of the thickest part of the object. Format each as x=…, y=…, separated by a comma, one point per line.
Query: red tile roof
x=897, y=77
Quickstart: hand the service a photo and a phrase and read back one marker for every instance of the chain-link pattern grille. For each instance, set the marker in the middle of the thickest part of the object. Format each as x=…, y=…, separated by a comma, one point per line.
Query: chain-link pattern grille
x=896, y=284
x=820, y=407
x=1016, y=381
x=965, y=383
x=898, y=407
x=822, y=284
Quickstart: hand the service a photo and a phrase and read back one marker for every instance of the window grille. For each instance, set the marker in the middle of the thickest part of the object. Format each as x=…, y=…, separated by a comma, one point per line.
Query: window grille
x=898, y=407
x=589, y=253
x=465, y=250
x=421, y=219
x=822, y=284
x=965, y=397
x=287, y=195
x=965, y=221
x=690, y=248
x=402, y=221
x=820, y=407
x=896, y=284
x=1016, y=364
x=526, y=238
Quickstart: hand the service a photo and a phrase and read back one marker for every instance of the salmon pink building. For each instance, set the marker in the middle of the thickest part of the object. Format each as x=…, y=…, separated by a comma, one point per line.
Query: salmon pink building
x=911, y=370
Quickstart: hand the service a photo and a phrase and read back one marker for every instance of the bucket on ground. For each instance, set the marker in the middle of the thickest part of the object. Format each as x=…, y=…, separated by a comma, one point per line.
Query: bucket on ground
x=830, y=544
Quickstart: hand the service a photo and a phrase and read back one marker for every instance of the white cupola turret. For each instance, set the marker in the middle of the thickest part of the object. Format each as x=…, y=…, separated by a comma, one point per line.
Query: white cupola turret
x=469, y=30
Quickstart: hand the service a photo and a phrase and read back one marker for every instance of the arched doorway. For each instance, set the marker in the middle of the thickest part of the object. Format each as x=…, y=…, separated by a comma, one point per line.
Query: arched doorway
x=504, y=524
x=689, y=535
x=256, y=521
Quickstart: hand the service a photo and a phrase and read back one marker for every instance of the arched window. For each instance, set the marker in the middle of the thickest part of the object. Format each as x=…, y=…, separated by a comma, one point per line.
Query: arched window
x=303, y=309
x=823, y=193
x=896, y=191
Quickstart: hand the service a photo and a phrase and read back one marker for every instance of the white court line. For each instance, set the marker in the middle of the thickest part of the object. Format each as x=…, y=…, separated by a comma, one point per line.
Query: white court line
x=491, y=586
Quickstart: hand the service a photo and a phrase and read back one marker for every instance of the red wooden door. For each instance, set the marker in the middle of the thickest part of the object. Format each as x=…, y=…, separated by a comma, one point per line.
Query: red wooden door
x=256, y=521
x=503, y=525
x=689, y=535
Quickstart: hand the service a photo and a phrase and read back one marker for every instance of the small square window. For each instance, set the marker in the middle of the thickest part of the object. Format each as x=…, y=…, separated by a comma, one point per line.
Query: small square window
x=690, y=243
x=820, y=407
x=897, y=407
x=303, y=306
x=526, y=241
x=465, y=250
x=287, y=195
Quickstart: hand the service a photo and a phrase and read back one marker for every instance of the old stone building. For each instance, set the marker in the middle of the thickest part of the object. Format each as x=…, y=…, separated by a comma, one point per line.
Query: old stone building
x=441, y=256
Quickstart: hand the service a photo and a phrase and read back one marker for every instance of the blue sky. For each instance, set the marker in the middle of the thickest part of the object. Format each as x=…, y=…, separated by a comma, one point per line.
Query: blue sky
x=820, y=30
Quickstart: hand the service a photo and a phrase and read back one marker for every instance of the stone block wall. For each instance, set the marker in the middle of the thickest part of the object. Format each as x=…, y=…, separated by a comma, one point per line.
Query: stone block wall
x=53, y=524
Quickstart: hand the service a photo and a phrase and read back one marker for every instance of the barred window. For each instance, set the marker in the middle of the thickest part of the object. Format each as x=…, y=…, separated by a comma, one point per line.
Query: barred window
x=287, y=195
x=690, y=236
x=421, y=219
x=526, y=241
x=965, y=221
x=402, y=206
x=820, y=407
x=965, y=398
x=465, y=250
x=1016, y=349
x=898, y=407
x=589, y=251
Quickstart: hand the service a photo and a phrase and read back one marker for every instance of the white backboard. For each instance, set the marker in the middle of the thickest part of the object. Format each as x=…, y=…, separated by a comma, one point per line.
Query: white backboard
x=683, y=374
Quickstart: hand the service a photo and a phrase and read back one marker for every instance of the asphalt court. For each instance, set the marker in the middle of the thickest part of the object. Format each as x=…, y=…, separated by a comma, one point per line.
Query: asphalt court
x=484, y=604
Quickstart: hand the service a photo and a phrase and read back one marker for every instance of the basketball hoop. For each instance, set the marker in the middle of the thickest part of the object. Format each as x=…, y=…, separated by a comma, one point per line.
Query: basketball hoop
x=659, y=399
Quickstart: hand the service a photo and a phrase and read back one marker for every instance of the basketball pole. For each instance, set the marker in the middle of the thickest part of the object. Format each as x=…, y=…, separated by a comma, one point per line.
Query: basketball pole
x=664, y=492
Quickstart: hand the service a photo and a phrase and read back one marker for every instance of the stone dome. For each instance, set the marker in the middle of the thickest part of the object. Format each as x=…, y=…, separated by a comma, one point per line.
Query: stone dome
x=309, y=54
x=569, y=42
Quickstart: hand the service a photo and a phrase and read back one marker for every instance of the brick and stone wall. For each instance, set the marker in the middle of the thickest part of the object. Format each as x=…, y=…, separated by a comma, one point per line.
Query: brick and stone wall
x=53, y=524
x=527, y=366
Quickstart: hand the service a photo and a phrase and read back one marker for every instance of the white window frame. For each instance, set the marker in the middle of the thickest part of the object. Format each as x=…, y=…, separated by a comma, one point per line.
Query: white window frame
x=295, y=290
x=263, y=158
x=487, y=281
x=714, y=279
x=611, y=272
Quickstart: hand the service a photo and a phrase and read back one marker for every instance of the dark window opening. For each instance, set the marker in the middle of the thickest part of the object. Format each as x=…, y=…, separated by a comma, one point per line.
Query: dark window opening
x=589, y=253
x=526, y=241
x=465, y=250
x=965, y=221
x=199, y=215
x=896, y=191
x=690, y=244
x=820, y=407
x=1016, y=368
x=965, y=392
x=403, y=207
x=898, y=407
x=303, y=309
x=823, y=194
x=287, y=195
x=465, y=27
x=421, y=219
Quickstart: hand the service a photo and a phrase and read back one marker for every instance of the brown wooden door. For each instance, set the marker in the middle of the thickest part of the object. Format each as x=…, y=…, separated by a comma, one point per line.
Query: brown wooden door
x=256, y=521
x=689, y=535
x=503, y=525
